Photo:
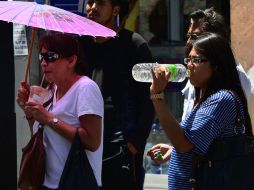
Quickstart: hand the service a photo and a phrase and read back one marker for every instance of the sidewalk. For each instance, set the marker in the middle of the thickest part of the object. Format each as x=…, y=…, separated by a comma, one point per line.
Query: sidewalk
x=156, y=182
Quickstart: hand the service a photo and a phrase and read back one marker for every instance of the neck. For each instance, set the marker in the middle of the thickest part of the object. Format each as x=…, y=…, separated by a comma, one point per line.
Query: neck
x=65, y=85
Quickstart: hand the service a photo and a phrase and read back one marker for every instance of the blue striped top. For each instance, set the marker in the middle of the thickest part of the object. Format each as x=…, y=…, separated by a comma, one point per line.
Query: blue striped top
x=214, y=118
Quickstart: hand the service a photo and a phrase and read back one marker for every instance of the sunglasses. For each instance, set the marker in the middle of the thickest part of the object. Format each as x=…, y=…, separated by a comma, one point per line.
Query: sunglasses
x=49, y=56
x=192, y=35
x=194, y=60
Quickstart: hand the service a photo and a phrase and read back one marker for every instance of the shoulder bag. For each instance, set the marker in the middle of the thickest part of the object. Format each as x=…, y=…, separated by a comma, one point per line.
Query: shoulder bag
x=228, y=165
x=32, y=166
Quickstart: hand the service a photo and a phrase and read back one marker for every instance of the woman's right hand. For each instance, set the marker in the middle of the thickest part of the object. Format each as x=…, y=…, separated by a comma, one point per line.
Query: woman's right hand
x=160, y=79
x=23, y=95
x=164, y=149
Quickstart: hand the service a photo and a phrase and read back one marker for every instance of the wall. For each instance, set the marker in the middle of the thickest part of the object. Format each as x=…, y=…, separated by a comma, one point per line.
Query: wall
x=242, y=36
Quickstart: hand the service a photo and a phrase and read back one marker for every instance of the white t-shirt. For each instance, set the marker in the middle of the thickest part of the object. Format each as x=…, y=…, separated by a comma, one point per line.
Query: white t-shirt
x=84, y=97
x=189, y=91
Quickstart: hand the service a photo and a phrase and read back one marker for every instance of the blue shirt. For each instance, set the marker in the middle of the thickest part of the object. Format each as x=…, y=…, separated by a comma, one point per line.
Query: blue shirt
x=213, y=119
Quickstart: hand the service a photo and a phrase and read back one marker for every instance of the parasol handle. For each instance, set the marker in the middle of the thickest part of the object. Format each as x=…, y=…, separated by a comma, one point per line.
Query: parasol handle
x=29, y=54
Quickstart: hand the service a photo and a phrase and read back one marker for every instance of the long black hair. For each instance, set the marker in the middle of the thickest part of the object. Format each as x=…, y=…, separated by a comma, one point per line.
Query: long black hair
x=225, y=75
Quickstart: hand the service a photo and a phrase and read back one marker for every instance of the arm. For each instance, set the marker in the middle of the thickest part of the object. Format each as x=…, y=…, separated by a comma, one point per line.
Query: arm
x=171, y=127
x=89, y=131
x=90, y=126
x=166, y=118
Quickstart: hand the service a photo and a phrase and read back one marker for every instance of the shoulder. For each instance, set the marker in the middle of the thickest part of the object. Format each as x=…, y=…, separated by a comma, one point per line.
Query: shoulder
x=220, y=96
x=134, y=37
x=87, y=83
x=218, y=102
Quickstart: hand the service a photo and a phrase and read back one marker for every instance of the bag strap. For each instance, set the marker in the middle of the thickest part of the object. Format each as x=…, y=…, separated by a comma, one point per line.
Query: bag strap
x=49, y=87
x=239, y=120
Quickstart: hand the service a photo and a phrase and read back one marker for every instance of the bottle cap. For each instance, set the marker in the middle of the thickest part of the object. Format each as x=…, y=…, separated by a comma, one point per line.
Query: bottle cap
x=159, y=156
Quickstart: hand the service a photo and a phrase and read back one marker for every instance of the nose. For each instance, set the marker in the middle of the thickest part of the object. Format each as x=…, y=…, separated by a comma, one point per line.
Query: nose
x=90, y=6
x=190, y=65
x=43, y=63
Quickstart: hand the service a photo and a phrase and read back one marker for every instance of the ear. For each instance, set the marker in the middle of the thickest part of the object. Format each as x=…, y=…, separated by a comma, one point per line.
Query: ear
x=116, y=10
x=72, y=60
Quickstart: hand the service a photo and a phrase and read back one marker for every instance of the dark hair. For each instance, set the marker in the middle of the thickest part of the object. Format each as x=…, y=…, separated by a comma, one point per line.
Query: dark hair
x=116, y=2
x=65, y=45
x=225, y=75
x=210, y=21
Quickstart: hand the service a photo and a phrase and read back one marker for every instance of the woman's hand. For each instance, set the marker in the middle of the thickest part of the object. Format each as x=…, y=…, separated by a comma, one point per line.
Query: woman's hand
x=23, y=94
x=160, y=79
x=164, y=149
x=38, y=112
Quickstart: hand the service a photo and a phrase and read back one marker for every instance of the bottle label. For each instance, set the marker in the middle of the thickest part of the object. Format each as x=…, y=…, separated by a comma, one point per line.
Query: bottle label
x=173, y=70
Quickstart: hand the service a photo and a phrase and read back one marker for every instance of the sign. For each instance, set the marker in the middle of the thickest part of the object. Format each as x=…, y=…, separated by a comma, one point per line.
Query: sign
x=19, y=40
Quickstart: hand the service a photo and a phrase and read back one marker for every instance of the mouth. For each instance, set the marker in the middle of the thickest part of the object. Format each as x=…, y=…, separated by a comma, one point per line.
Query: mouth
x=92, y=16
x=46, y=72
x=189, y=73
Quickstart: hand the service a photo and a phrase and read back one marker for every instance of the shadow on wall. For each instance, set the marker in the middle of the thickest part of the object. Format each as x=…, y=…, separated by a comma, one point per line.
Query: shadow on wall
x=251, y=101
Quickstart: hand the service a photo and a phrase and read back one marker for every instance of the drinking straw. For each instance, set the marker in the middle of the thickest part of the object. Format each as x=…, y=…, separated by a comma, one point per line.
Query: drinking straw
x=42, y=80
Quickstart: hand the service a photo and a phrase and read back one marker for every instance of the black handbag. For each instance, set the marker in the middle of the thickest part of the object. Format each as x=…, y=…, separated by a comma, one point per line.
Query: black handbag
x=228, y=164
x=77, y=173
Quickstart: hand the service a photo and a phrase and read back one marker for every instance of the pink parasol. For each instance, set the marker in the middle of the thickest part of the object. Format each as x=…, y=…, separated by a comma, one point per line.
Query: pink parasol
x=49, y=18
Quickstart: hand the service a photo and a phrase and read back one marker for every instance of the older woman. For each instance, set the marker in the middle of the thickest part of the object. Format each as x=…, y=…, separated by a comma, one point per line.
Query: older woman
x=213, y=74
x=77, y=103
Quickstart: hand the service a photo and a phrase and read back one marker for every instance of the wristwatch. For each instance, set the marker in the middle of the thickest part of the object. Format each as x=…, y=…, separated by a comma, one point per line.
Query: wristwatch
x=54, y=122
x=159, y=96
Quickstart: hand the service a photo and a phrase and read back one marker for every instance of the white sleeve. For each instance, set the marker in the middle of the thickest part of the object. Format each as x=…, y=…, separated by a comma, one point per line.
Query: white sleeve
x=244, y=79
x=189, y=96
x=90, y=100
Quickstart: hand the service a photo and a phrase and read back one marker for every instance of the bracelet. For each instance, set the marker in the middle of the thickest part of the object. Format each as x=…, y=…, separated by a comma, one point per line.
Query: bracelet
x=159, y=96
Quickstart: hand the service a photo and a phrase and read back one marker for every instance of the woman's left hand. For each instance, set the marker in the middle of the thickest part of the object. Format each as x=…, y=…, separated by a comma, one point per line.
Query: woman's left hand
x=160, y=79
x=38, y=112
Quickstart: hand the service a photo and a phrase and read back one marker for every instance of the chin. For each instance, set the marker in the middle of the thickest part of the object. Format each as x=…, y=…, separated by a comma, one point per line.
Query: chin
x=48, y=78
x=193, y=82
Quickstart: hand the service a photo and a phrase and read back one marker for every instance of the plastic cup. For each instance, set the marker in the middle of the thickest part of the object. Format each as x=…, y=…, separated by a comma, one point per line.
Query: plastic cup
x=38, y=94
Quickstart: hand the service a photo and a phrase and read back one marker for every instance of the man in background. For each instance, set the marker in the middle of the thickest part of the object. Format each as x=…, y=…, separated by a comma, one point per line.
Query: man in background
x=128, y=110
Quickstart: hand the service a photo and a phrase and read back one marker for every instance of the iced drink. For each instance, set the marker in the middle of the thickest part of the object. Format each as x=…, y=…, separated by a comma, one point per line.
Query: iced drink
x=38, y=94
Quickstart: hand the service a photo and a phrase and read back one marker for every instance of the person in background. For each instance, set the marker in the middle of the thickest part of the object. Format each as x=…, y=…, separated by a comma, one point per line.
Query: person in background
x=213, y=73
x=201, y=21
x=128, y=109
x=77, y=105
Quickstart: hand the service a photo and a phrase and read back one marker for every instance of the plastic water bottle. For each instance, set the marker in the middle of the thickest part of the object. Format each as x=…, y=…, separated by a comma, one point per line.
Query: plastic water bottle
x=155, y=168
x=142, y=72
